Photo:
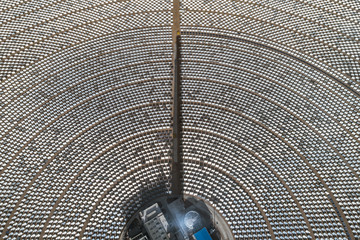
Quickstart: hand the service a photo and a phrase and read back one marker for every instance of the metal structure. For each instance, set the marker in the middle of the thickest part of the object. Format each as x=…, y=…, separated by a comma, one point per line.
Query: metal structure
x=260, y=117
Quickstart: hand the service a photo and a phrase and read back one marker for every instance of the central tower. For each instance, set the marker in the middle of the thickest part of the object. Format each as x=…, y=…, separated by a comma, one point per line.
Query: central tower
x=176, y=160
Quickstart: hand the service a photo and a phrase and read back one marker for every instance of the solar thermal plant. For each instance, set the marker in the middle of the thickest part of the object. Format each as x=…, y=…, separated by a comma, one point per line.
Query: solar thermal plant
x=114, y=109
